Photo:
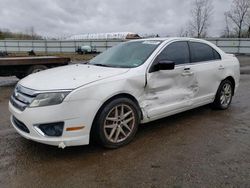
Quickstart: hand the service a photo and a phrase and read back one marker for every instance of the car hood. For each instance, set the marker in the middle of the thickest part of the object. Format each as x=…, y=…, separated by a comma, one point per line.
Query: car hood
x=69, y=77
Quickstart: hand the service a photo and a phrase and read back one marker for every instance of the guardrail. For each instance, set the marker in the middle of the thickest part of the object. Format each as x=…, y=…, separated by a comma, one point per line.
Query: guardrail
x=232, y=45
x=229, y=45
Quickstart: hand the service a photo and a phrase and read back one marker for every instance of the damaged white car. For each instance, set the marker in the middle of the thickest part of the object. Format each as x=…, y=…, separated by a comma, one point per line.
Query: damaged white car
x=134, y=82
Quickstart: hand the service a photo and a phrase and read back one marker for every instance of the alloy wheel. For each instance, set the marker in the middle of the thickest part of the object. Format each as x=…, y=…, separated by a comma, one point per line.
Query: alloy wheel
x=119, y=123
x=226, y=95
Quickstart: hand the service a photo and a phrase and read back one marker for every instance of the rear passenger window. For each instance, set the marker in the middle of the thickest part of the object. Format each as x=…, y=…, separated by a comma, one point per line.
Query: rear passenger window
x=202, y=52
x=177, y=52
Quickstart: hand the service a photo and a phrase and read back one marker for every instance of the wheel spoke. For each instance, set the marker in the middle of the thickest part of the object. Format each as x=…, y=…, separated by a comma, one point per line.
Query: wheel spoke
x=122, y=111
x=111, y=118
x=222, y=99
x=127, y=114
x=110, y=126
x=112, y=132
x=126, y=126
x=116, y=112
x=122, y=131
x=128, y=120
x=117, y=134
x=227, y=88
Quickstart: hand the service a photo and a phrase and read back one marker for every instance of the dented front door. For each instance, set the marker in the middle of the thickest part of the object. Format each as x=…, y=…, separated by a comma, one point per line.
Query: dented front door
x=171, y=90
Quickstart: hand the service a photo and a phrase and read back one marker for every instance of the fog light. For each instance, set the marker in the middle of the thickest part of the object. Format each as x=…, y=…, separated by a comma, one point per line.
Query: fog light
x=52, y=129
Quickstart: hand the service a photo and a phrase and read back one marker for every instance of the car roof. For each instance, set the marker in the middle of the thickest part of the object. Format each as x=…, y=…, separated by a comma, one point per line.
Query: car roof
x=172, y=38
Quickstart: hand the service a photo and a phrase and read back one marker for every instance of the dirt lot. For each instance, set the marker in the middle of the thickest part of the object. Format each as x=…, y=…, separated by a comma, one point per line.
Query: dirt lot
x=198, y=148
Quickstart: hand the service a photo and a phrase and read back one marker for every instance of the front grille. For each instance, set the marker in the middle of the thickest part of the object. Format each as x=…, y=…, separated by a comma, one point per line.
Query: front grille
x=22, y=97
x=20, y=125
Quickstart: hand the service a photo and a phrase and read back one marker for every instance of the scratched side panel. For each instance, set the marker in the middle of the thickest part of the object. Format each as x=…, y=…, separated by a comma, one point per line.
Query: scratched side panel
x=167, y=91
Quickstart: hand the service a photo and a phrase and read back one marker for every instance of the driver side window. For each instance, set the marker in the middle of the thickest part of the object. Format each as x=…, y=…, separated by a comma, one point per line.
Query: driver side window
x=177, y=52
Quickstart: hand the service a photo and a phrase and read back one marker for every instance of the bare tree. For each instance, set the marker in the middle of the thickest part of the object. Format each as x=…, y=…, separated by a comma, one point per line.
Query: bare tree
x=226, y=33
x=200, y=16
x=247, y=23
x=183, y=32
x=32, y=32
x=238, y=13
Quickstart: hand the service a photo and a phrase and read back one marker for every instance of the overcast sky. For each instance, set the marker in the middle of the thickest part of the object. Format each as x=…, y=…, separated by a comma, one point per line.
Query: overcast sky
x=66, y=17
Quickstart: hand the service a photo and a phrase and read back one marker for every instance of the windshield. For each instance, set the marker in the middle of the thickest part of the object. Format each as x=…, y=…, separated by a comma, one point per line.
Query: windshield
x=127, y=54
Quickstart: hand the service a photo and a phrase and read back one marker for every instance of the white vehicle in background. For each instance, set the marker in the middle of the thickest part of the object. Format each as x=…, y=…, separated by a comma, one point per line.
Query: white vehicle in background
x=86, y=49
x=134, y=82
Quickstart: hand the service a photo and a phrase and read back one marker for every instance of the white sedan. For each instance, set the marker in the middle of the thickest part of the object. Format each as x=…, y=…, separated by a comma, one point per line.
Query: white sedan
x=132, y=83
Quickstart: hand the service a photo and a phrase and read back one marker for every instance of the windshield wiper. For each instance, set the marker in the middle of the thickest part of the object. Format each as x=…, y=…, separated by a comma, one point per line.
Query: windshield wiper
x=84, y=62
x=102, y=65
x=109, y=65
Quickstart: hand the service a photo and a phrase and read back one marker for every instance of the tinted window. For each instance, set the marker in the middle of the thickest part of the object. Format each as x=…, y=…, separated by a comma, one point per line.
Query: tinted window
x=202, y=52
x=177, y=52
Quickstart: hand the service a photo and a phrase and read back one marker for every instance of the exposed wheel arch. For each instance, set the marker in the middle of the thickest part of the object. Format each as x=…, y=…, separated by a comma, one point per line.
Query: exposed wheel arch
x=121, y=95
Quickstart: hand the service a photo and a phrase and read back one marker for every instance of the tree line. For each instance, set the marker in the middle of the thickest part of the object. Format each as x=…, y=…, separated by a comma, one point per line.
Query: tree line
x=28, y=35
x=237, y=20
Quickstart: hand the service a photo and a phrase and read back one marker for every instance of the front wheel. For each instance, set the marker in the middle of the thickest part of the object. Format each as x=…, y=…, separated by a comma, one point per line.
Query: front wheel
x=224, y=95
x=117, y=123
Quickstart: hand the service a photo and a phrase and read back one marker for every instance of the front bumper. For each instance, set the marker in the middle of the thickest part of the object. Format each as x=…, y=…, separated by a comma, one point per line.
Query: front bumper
x=73, y=114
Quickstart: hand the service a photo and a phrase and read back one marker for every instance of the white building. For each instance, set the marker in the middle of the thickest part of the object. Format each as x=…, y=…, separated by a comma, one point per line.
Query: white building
x=105, y=36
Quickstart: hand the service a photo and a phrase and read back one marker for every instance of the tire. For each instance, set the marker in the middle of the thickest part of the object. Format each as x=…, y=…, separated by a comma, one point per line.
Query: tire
x=36, y=68
x=20, y=76
x=224, y=95
x=111, y=128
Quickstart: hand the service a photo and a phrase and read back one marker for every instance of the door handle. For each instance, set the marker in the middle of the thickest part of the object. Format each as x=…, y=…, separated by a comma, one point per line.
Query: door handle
x=221, y=67
x=187, y=73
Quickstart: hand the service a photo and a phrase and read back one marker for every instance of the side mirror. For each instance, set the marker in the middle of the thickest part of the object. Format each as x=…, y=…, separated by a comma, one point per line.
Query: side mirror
x=164, y=65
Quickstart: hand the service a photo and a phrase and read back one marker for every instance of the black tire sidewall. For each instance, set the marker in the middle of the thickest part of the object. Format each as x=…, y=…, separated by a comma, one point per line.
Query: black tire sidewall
x=217, y=103
x=20, y=76
x=31, y=69
x=101, y=118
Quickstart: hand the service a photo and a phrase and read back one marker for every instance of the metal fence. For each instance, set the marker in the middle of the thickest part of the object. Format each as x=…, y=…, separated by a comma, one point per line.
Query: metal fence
x=232, y=45
x=229, y=45
x=54, y=46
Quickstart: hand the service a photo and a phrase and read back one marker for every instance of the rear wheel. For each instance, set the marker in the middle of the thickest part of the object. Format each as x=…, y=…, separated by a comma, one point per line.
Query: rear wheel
x=224, y=95
x=117, y=123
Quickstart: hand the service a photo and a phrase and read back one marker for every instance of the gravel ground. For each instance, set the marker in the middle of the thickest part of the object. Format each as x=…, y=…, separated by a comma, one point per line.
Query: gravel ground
x=198, y=148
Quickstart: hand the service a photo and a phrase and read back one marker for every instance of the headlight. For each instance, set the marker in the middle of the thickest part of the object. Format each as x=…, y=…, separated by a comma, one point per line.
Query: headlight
x=47, y=99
